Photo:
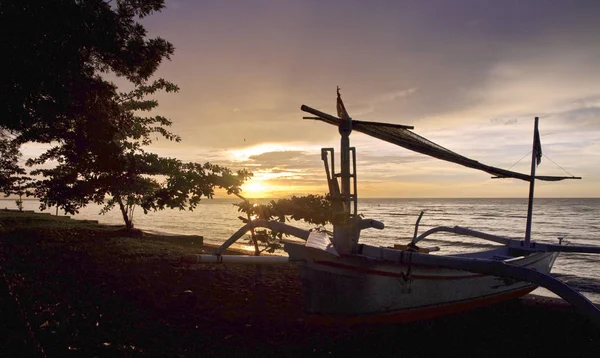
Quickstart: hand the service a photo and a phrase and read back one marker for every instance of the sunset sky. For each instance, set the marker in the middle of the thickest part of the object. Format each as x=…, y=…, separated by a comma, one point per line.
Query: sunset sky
x=468, y=75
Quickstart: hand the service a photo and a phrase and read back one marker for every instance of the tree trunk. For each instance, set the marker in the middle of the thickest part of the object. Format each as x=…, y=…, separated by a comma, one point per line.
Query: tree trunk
x=20, y=202
x=128, y=220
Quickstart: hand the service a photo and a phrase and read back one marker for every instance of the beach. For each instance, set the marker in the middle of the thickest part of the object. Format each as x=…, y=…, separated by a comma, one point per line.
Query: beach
x=84, y=290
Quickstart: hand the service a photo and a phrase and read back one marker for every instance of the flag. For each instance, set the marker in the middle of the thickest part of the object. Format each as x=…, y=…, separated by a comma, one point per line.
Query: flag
x=537, y=146
x=341, y=110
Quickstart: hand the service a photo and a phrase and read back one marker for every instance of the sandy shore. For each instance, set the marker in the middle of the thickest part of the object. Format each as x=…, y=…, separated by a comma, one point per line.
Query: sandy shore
x=86, y=294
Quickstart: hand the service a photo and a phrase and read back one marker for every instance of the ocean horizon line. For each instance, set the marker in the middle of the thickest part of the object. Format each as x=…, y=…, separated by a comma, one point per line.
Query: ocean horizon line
x=372, y=198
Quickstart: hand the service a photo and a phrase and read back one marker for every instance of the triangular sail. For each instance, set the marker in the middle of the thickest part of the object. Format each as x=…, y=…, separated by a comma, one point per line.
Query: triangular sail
x=401, y=135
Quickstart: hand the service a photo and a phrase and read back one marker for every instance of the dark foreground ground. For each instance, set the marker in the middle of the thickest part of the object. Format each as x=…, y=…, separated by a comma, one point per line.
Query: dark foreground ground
x=73, y=289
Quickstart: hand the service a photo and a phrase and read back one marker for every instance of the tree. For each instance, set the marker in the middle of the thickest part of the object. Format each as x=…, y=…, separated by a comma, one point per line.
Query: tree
x=9, y=167
x=20, y=186
x=312, y=209
x=122, y=171
x=12, y=177
x=57, y=52
x=55, y=91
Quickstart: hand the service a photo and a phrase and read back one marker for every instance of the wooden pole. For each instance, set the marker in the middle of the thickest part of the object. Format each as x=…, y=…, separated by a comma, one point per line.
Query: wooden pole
x=531, y=184
x=345, y=130
x=342, y=232
x=234, y=259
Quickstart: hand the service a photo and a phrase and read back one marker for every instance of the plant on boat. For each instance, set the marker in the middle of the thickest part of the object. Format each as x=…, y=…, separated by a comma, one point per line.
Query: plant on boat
x=312, y=209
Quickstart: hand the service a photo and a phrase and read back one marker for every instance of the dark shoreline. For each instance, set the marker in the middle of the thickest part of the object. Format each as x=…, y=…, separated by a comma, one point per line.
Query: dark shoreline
x=86, y=291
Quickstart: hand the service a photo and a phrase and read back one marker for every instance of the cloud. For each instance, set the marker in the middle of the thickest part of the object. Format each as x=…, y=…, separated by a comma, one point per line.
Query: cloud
x=469, y=75
x=505, y=122
x=382, y=100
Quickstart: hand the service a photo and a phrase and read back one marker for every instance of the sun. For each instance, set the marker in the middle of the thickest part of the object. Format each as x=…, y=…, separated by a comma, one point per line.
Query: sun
x=255, y=189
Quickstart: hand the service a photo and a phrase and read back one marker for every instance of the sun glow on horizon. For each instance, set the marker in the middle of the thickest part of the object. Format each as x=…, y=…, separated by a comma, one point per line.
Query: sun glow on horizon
x=255, y=189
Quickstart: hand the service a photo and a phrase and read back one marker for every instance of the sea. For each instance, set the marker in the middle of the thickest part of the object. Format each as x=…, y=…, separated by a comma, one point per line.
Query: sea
x=574, y=220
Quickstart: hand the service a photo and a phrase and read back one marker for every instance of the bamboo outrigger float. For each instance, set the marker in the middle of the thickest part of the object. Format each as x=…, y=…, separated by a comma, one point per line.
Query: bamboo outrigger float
x=347, y=280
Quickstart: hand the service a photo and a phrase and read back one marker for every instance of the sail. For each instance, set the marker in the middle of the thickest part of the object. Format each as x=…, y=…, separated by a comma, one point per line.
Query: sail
x=412, y=141
x=402, y=136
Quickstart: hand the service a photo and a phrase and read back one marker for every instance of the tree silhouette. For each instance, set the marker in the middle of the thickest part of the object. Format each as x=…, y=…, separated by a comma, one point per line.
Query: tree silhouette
x=11, y=174
x=54, y=90
x=121, y=173
x=12, y=177
x=56, y=53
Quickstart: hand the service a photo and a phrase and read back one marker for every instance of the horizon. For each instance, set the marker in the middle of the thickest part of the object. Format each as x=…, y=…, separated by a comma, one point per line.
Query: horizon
x=469, y=76
x=233, y=198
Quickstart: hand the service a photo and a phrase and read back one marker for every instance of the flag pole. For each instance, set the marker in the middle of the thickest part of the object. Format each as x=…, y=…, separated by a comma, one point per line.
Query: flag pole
x=536, y=155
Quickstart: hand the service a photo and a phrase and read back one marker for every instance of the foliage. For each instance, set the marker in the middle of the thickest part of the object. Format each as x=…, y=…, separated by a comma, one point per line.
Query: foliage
x=20, y=186
x=58, y=52
x=12, y=177
x=57, y=92
x=120, y=169
x=19, y=203
x=53, y=90
x=9, y=168
x=313, y=209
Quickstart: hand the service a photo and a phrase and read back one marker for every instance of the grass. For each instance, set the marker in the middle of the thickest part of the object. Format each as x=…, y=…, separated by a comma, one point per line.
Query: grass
x=68, y=277
x=74, y=287
x=63, y=228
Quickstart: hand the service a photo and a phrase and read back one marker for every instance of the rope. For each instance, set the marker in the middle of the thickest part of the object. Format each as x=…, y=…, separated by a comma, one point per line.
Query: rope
x=545, y=156
x=518, y=161
x=564, y=170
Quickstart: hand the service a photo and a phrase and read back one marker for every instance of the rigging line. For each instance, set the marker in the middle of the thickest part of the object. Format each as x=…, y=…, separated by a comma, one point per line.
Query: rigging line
x=545, y=156
x=520, y=160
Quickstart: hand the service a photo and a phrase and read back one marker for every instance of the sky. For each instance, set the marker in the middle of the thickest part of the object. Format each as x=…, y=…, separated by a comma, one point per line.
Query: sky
x=468, y=75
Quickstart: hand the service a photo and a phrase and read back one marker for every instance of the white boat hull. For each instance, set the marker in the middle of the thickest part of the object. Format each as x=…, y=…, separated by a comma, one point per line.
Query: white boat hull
x=370, y=287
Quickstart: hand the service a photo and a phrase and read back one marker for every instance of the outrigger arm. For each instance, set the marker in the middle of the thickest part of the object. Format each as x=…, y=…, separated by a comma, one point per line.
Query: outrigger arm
x=502, y=269
x=464, y=231
x=267, y=224
x=286, y=229
x=533, y=246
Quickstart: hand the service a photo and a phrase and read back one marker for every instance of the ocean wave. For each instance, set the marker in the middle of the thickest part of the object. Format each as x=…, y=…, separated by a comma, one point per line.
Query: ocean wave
x=580, y=283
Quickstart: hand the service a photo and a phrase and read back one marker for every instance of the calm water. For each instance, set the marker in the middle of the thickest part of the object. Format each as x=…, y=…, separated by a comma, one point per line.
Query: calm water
x=574, y=219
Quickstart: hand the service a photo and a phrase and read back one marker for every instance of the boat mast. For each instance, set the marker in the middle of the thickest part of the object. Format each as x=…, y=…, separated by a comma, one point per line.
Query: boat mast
x=535, y=158
x=345, y=129
x=346, y=221
x=345, y=235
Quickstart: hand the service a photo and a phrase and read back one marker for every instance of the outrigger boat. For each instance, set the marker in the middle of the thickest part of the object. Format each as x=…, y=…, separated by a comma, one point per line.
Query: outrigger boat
x=347, y=280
